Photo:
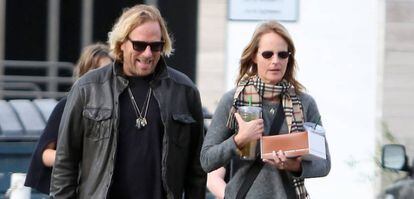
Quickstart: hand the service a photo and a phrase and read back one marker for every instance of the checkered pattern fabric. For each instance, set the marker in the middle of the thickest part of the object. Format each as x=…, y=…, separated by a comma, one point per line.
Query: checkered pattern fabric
x=251, y=91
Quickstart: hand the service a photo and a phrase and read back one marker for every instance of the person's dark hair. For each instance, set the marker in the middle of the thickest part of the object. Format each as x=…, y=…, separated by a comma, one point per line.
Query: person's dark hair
x=89, y=58
x=247, y=65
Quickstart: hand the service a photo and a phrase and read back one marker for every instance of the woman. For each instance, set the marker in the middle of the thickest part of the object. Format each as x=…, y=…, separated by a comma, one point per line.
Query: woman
x=266, y=78
x=38, y=176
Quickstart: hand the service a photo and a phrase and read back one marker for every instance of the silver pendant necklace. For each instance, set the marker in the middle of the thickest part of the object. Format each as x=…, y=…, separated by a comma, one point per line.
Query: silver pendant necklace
x=272, y=111
x=141, y=120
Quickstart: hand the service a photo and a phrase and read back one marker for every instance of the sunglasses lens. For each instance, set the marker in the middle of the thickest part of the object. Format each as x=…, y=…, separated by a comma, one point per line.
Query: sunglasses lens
x=267, y=54
x=283, y=54
x=156, y=46
x=139, y=46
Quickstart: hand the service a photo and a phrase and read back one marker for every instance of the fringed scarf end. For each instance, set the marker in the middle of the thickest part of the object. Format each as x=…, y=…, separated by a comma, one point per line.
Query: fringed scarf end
x=231, y=121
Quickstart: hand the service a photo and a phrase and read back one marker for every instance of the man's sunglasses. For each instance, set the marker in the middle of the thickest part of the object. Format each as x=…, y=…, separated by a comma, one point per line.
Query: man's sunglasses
x=155, y=46
x=280, y=55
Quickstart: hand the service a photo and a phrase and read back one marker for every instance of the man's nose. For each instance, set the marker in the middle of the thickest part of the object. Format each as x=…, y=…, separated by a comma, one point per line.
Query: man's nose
x=147, y=51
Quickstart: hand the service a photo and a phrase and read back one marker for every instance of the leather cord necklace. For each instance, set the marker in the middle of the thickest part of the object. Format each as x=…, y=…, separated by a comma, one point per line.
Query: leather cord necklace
x=141, y=120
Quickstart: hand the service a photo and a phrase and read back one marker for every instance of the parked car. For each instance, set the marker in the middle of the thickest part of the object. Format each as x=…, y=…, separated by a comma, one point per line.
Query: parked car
x=394, y=158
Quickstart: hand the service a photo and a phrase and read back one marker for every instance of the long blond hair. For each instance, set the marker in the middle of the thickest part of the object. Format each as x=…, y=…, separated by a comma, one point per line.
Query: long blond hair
x=247, y=65
x=129, y=20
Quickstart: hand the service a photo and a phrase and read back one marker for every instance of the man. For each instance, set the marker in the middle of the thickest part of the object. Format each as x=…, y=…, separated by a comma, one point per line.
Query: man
x=132, y=129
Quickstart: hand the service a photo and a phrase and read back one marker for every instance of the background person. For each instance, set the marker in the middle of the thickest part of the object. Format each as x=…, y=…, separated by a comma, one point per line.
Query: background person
x=133, y=129
x=266, y=77
x=43, y=158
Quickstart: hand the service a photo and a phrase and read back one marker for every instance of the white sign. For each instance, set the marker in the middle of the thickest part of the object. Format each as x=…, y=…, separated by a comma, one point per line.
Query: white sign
x=281, y=10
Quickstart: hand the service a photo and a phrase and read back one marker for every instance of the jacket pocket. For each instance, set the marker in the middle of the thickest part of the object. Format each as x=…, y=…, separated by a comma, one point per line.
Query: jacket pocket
x=99, y=123
x=181, y=130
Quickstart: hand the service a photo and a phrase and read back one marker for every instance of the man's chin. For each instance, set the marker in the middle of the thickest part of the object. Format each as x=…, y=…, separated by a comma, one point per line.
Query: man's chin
x=142, y=72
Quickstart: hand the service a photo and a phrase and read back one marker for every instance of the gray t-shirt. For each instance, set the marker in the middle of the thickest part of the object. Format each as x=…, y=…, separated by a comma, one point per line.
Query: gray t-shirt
x=219, y=148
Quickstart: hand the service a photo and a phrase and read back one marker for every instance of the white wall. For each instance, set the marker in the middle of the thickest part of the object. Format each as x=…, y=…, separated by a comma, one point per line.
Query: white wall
x=338, y=46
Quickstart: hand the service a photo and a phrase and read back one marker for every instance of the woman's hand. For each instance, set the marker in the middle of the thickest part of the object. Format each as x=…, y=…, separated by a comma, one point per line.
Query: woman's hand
x=248, y=131
x=281, y=162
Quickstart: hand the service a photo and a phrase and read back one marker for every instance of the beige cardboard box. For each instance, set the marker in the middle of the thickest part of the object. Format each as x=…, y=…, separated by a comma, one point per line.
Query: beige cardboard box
x=294, y=144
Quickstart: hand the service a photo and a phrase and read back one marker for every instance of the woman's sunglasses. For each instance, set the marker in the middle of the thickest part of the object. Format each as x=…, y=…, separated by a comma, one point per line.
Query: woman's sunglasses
x=280, y=55
x=155, y=46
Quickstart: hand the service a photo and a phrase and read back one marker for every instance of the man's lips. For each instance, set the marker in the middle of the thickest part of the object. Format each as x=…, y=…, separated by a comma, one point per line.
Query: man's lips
x=144, y=63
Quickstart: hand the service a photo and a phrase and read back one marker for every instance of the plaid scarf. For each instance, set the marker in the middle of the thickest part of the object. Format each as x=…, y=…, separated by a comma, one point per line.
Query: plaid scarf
x=251, y=91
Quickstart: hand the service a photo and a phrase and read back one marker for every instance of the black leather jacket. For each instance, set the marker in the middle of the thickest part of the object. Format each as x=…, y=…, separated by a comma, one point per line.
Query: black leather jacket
x=89, y=131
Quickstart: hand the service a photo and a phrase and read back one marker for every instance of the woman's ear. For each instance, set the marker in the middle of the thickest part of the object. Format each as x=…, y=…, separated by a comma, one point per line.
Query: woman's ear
x=254, y=57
